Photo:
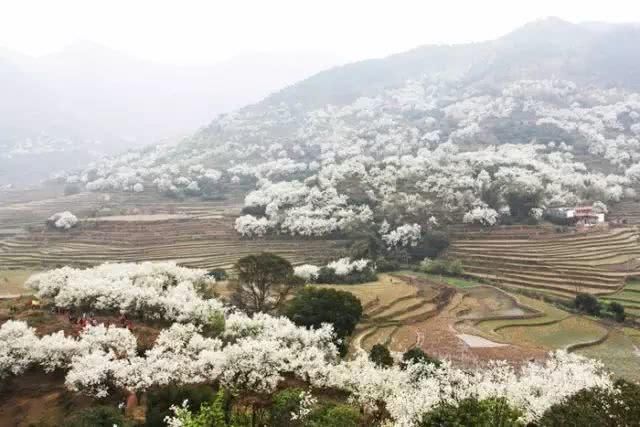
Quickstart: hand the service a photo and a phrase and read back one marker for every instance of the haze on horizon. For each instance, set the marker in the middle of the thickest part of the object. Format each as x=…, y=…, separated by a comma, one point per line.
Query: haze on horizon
x=204, y=32
x=97, y=78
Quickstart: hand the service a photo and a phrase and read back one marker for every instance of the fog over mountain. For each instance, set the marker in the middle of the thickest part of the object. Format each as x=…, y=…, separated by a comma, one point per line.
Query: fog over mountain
x=600, y=54
x=88, y=100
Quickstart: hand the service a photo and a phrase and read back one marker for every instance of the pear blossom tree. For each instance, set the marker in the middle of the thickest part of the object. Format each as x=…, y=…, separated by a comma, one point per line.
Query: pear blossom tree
x=63, y=220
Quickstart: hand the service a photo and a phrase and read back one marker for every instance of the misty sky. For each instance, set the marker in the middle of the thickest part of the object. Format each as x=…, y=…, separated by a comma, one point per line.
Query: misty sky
x=208, y=31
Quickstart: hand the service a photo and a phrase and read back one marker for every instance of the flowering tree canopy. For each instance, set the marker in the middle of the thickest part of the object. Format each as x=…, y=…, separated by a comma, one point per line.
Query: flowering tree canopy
x=63, y=220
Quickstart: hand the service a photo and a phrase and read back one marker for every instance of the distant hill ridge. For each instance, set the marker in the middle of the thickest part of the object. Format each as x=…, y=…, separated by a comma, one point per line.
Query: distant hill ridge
x=604, y=55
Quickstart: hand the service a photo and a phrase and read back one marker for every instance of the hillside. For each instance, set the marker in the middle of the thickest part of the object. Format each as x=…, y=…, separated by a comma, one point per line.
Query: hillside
x=489, y=133
x=61, y=110
x=551, y=48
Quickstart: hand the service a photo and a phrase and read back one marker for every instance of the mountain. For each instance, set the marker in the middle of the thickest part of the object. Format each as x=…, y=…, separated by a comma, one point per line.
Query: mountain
x=604, y=55
x=88, y=100
x=548, y=115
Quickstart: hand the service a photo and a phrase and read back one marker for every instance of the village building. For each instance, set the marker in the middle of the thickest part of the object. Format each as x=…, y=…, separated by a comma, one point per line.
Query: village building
x=580, y=216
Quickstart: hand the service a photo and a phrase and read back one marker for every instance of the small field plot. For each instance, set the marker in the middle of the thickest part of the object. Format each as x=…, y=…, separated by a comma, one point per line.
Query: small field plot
x=486, y=301
x=619, y=352
x=633, y=285
x=381, y=335
x=629, y=297
x=381, y=293
x=549, y=313
x=452, y=281
x=391, y=303
x=12, y=282
x=558, y=335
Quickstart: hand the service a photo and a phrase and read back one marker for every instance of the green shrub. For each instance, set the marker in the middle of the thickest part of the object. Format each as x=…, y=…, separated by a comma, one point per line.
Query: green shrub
x=473, y=412
x=311, y=307
x=160, y=400
x=432, y=244
x=416, y=355
x=380, y=355
x=617, y=310
x=334, y=416
x=441, y=266
x=328, y=275
x=384, y=265
x=285, y=403
x=597, y=407
x=587, y=303
x=97, y=416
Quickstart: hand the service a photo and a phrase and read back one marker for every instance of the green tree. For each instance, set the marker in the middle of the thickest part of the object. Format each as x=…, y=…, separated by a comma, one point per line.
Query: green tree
x=210, y=414
x=432, y=244
x=380, y=355
x=312, y=307
x=264, y=282
x=416, y=355
x=521, y=202
x=160, y=400
x=597, y=407
x=473, y=412
x=335, y=416
x=285, y=403
x=366, y=246
x=587, y=303
x=618, y=311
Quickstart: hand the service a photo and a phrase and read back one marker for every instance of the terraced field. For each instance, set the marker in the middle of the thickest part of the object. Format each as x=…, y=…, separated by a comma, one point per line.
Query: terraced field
x=541, y=313
x=559, y=264
x=427, y=314
x=478, y=323
x=620, y=352
x=194, y=233
x=629, y=297
x=390, y=303
x=627, y=212
x=562, y=334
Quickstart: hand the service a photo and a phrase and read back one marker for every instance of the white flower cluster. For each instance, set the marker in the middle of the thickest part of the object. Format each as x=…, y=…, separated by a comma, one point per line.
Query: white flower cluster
x=344, y=266
x=308, y=272
x=481, y=215
x=254, y=355
x=155, y=290
x=256, y=352
x=63, y=220
x=298, y=209
x=341, y=267
x=307, y=401
x=21, y=347
x=405, y=235
x=429, y=148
